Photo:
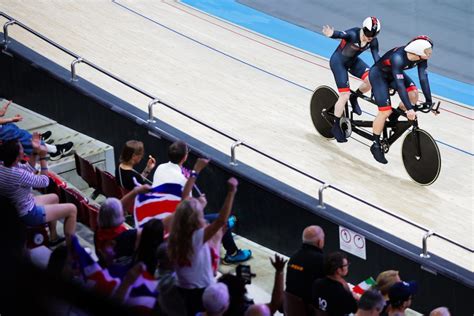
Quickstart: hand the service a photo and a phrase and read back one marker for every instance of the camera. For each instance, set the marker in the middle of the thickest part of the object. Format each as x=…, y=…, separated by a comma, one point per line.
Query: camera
x=244, y=273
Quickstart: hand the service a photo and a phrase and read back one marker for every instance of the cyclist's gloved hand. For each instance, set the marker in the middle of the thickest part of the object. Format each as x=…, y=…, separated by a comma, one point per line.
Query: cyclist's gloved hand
x=411, y=114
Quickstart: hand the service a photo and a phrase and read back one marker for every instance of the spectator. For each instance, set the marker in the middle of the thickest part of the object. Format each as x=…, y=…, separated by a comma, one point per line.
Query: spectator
x=240, y=303
x=188, y=246
x=9, y=131
x=440, y=311
x=258, y=310
x=385, y=280
x=110, y=224
x=173, y=172
x=332, y=294
x=306, y=265
x=150, y=239
x=400, y=296
x=215, y=300
x=132, y=153
x=371, y=303
x=17, y=181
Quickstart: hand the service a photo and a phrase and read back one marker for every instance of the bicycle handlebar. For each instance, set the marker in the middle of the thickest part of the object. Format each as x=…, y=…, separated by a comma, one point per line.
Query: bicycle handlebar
x=427, y=107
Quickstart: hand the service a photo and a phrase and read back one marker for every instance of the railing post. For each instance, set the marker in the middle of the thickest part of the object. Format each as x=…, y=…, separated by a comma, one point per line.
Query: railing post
x=425, y=254
x=320, y=195
x=233, y=161
x=5, y=32
x=151, y=119
x=73, y=68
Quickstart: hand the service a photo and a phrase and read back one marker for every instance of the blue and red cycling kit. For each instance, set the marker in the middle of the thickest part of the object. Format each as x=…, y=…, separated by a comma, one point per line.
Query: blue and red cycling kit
x=345, y=57
x=388, y=72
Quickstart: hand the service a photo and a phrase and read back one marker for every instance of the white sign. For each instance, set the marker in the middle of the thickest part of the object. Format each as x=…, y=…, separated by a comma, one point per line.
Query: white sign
x=352, y=242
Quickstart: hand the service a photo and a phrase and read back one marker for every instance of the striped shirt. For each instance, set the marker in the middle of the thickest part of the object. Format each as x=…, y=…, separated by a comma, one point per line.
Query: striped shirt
x=16, y=184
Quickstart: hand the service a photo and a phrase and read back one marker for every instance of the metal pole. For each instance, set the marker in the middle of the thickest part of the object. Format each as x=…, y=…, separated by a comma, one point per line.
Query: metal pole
x=73, y=68
x=233, y=161
x=320, y=195
x=151, y=119
x=425, y=254
x=5, y=32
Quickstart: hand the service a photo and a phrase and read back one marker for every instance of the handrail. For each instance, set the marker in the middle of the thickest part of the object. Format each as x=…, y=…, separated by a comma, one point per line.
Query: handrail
x=78, y=59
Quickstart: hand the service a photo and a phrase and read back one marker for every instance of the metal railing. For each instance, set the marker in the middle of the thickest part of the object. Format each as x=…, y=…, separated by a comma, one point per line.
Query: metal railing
x=236, y=142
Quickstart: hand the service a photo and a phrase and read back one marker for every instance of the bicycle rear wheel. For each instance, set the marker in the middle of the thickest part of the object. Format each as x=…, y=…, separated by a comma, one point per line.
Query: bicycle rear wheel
x=323, y=100
x=422, y=166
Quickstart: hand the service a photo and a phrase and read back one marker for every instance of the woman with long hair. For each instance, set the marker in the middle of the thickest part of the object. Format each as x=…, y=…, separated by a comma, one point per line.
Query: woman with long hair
x=189, y=249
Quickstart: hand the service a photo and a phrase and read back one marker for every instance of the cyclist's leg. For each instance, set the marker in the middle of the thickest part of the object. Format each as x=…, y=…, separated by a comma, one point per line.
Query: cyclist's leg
x=342, y=82
x=361, y=70
x=382, y=98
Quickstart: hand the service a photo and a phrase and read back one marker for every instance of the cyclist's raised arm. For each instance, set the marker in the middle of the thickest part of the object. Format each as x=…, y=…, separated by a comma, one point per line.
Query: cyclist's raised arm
x=399, y=77
x=374, y=49
x=425, y=84
x=330, y=32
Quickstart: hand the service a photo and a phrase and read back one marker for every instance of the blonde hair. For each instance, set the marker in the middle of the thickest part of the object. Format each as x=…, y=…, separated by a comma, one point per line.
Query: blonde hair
x=186, y=221
x=385, y=280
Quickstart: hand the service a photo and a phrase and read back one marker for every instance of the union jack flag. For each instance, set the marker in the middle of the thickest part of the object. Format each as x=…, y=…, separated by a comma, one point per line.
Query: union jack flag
x=160, y=202
x=94, y=275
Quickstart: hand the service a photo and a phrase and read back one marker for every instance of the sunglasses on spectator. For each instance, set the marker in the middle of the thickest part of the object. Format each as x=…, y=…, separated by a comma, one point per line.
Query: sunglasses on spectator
x=346, y=265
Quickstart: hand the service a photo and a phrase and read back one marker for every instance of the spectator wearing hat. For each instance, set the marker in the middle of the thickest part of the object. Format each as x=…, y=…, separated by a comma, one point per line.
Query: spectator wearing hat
x=400, y=296
x=332, y=294
x=215, y=300
x=306, y=265
x=371, y=303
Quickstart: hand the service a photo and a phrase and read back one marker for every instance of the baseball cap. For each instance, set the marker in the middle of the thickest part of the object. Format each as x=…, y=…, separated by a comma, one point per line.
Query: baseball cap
x=215, y=298
x=401, y=291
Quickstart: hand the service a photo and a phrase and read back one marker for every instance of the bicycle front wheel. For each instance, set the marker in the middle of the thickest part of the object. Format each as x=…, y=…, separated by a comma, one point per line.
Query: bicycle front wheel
x=421, y=157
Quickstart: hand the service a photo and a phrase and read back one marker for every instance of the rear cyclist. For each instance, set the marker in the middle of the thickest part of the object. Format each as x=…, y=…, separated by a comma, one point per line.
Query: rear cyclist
x=388, y=72
x=345, y=59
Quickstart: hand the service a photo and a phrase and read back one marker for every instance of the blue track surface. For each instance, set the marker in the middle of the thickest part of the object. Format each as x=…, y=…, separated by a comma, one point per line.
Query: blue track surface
x=316, y=43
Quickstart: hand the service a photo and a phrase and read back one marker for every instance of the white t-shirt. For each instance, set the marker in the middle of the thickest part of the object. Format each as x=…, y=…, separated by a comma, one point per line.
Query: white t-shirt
x=199, y=274
x=168, y=173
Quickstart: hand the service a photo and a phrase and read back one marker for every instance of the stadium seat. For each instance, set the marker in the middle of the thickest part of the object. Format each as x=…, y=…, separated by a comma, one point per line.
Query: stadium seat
x=109, y=187
x=75, y=197
x=93, y=213
x=88, y=173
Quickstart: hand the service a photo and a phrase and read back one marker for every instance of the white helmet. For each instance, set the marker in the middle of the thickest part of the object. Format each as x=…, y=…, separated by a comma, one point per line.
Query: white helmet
x=371, y=26
x=418, y=45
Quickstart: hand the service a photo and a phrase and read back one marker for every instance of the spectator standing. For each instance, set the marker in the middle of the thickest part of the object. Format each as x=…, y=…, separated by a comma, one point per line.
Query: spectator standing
x=188, y=246
x=306, y=265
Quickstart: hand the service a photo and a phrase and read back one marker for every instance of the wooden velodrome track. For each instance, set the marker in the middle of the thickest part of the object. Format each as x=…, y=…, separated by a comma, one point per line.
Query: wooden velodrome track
x=258, y=90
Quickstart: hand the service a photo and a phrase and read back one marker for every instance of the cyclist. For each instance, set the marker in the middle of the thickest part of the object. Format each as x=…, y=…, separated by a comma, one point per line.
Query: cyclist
x=388, y=72
x=345, y=59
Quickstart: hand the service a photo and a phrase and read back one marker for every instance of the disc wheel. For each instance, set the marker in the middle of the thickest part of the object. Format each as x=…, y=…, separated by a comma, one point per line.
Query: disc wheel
x=323, y=100
x=423, y=166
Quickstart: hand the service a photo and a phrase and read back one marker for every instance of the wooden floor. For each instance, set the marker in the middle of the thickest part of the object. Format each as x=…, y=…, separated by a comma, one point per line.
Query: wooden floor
x=259, y=91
